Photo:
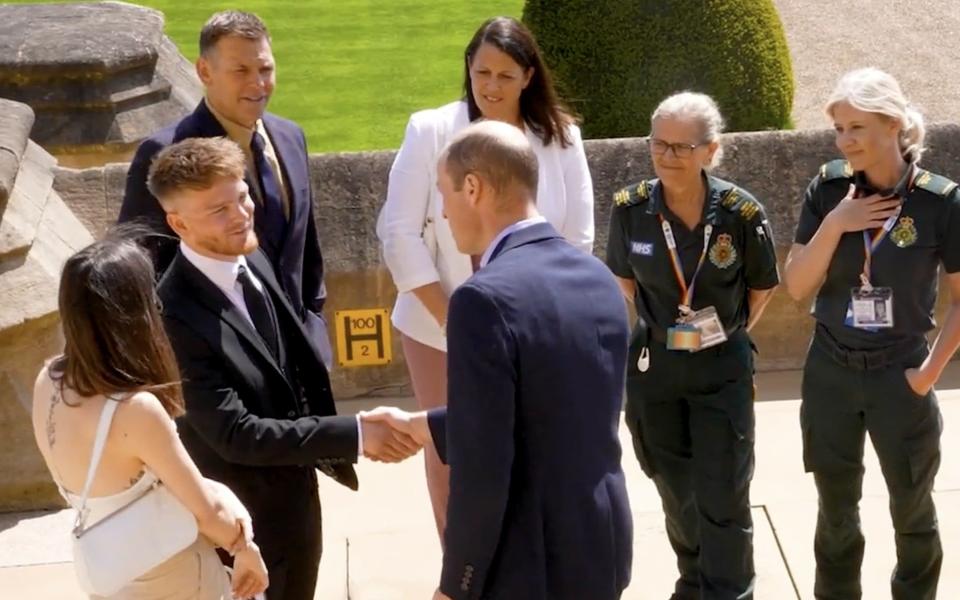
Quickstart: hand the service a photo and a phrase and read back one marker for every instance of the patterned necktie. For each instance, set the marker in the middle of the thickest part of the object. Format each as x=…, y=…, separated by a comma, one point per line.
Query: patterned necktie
x=274, y=223
x=260, y=309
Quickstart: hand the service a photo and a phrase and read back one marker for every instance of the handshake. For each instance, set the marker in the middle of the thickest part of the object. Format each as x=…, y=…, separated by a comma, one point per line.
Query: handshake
x=392, y=435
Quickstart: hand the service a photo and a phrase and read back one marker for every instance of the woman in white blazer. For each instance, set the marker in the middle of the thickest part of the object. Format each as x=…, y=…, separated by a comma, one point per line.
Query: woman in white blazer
x=504, y=79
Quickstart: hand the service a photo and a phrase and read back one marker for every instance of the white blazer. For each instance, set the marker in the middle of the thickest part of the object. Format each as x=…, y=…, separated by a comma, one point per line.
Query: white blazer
x=418, y=245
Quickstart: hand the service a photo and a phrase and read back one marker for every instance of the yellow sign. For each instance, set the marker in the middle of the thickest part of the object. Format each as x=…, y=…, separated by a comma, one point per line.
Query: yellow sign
x=363, y=337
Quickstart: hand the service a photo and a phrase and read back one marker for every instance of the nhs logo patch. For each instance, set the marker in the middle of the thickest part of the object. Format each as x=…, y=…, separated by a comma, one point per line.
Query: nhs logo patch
x=642, y=248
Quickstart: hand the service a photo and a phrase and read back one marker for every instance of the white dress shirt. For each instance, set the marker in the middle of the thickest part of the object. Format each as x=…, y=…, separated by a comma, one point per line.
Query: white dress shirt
x=223, y=274
x=512, y=228
x=418, y=246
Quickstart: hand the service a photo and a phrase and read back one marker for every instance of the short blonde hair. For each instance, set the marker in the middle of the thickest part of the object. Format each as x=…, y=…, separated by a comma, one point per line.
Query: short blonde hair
x=873, y=90
x=699, y=108
x=194, y=164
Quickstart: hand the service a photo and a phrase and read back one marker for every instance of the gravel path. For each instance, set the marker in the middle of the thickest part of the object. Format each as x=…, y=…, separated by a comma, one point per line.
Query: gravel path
x=917, y=41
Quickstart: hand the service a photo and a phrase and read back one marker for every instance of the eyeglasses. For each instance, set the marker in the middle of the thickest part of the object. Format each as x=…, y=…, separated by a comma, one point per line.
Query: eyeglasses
x=660, y=147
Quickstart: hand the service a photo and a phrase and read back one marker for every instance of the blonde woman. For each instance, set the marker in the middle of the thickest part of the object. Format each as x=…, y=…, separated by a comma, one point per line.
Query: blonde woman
x=117, y=353
x=505, y=79
x=695, y=256
x=874, y=231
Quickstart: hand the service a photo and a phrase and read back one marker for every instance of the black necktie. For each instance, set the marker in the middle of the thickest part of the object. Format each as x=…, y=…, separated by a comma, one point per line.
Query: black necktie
x=260, y=309
x=275, y=223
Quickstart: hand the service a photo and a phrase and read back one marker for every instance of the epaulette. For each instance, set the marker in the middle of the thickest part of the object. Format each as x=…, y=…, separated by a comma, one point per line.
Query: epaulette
x=734, y=201
x=836, y=169
x=933, y=183
x=632, y=194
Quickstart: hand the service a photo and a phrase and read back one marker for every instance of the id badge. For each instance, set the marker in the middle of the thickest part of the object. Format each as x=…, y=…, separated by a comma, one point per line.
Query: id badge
x=711, y=328
x=683, y=336
x=871, y=309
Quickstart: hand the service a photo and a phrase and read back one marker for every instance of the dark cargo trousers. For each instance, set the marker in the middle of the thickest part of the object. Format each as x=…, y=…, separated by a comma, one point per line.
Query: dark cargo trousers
x=845, y=395
x=691, y=416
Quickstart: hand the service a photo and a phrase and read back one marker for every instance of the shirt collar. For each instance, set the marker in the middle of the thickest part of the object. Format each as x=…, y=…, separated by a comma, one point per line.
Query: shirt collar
x=512, y=228
x=709, y=214
x=222, y=273
x=901, y=188
x=240, y=134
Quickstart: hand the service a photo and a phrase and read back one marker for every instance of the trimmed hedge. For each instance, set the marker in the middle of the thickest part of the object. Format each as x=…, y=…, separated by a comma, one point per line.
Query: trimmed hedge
x=615, y=60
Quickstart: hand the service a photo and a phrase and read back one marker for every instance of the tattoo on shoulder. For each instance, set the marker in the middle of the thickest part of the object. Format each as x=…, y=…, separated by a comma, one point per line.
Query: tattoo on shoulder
x=51, y=427
x=134, y=480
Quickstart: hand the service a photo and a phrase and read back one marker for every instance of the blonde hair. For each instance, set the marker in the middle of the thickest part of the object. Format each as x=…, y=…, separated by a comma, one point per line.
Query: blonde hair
x=194, y=164
x=875, y=91
x=700, y=108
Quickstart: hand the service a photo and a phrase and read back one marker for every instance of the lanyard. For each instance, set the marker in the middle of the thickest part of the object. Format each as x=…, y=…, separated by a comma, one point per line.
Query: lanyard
x=686, y=291
x=872, y=242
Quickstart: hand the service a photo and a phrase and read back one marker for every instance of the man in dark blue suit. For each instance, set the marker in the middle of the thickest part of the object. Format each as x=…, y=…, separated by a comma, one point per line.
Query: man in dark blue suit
x=537, y=343
x=237, y=69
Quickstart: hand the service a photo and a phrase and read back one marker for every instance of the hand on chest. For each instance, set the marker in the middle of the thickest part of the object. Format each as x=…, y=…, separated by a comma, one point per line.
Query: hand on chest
x=907, y=245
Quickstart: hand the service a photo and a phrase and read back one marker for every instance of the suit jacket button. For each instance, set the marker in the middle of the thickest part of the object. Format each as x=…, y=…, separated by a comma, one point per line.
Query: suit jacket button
x=291, y=414
x=464, y=587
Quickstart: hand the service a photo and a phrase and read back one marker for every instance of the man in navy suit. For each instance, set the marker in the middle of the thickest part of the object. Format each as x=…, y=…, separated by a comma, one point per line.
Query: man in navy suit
x=537, y=342
x=237, y=69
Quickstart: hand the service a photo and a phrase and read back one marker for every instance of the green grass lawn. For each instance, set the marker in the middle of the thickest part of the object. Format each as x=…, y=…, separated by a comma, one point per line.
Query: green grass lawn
x=351, y=71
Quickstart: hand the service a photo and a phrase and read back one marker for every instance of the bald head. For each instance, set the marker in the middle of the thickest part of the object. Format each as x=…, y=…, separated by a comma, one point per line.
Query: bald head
x=496, y=152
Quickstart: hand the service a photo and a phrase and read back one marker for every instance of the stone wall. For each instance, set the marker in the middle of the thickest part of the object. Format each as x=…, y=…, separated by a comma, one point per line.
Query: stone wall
x=100, y=76
x=349, y=189
x=37, y=234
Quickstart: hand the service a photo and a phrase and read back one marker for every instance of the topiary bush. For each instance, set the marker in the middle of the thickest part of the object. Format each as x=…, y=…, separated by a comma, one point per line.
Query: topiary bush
x=615, y=60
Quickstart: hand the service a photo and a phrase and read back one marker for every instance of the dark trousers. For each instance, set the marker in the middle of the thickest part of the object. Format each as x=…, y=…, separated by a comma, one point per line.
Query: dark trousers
x=291, y=540
x=841, y=403
x=691, y=416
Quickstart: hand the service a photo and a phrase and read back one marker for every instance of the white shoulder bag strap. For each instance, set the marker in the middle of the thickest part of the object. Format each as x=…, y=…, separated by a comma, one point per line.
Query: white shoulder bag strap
x=103, y=428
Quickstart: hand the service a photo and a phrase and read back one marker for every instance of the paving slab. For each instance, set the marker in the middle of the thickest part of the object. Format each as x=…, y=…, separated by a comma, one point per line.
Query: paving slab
x=35, y=538
x=54, y=581
x=794, y=524
x=380, y=542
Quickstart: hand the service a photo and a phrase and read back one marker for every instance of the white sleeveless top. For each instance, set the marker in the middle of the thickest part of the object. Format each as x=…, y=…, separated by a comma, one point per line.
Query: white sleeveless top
x=99, y=507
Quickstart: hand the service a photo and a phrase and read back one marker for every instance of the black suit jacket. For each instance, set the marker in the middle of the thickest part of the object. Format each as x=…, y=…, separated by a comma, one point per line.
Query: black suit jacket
x=537, y=349
x=298, y=260
x=245, y=423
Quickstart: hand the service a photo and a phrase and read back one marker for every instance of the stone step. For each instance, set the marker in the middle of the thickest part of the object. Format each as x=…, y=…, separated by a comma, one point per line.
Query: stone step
x=157, y=90
x=24, y=208
x=16, y=121
x=82, y=65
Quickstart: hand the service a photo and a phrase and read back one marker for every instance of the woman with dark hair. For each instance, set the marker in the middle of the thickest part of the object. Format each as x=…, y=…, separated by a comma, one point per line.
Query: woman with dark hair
x=504, y=79
x=118, y=375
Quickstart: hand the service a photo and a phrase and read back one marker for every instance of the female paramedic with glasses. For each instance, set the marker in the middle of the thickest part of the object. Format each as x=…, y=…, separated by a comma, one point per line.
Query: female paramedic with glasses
x=695, y=255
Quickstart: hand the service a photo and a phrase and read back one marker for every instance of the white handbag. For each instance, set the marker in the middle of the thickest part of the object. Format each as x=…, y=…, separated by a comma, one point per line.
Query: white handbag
x=131, y=540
